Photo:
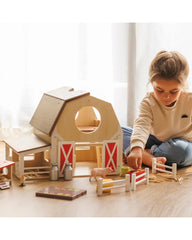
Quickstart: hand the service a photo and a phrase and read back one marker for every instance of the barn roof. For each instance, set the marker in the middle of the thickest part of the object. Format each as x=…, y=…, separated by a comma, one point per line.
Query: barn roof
x=50, y=107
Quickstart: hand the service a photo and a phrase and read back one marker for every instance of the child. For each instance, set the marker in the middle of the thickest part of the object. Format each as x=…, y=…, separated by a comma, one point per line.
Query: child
x=164, y=125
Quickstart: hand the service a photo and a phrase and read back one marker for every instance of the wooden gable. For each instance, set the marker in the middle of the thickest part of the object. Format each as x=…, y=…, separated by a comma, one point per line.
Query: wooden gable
x=69, y=129
x=50, y=107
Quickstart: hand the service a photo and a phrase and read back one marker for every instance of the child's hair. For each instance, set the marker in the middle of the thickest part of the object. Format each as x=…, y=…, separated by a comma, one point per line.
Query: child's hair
x=169, y=65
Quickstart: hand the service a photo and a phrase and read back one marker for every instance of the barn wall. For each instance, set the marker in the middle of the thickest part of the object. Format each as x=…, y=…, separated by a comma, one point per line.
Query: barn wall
x=107, y=129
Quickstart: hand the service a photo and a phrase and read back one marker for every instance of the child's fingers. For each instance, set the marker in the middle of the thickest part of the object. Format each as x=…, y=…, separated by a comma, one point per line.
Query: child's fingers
x=163, y=159
x=139, y=162
x=132, y=162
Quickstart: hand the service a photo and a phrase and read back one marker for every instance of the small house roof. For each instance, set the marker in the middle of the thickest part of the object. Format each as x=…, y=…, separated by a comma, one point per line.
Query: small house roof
x=50, y=107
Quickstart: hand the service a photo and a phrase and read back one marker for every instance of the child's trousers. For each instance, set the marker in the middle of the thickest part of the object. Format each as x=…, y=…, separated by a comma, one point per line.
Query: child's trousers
x=175, y=150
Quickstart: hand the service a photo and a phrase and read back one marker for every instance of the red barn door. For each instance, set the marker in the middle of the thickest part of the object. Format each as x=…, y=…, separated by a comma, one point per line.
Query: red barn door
x=110, y=154
x=66, y=154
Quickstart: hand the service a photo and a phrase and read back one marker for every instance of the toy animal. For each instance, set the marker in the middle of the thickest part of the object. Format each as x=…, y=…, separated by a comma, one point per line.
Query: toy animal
x=22, y=181
x=100, y=172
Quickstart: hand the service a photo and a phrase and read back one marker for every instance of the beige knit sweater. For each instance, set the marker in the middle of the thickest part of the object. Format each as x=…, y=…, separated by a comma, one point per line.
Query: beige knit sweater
x=161, y=121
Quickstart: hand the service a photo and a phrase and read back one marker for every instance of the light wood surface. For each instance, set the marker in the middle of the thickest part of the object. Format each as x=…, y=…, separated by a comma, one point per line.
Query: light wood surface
x=83, y=169
x=66, y=93
x=46, y=113
x=50, y=106
x=109, y=127
x=23, y=145
x=165, y=199
x=25, y=142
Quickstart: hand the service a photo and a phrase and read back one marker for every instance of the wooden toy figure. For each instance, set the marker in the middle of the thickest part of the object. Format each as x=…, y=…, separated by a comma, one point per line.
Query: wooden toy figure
x=22, y=181
x=100, y=172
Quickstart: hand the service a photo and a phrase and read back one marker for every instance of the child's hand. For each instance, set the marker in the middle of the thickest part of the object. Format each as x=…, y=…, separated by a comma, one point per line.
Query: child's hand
x=134, y=159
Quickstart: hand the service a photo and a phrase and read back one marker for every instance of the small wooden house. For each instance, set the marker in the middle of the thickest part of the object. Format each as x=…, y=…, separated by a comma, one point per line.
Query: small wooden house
x=67, y=119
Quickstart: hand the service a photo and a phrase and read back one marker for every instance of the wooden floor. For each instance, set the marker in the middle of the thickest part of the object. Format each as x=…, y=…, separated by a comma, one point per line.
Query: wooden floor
x=165, y=199
x=84, y=168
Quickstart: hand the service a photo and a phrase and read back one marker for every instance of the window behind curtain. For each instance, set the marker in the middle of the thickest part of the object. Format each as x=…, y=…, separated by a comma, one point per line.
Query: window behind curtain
x=35, y=58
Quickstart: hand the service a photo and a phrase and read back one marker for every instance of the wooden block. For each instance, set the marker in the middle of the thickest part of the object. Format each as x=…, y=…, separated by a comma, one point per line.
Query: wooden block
x=60, y=193
x=107, y=185
x=124, y=170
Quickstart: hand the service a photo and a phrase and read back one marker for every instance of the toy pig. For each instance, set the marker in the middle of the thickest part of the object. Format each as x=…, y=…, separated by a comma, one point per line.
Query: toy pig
x=102, y=172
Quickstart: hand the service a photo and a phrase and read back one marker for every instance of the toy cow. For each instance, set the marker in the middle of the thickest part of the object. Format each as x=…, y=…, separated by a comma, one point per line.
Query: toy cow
x=100, y=172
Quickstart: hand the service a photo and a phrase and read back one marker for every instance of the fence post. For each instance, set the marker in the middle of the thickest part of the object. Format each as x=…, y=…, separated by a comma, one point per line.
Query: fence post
x=100, y=186
x=127, y=183
x=133, y=181
x=174, y=170
x=153, y=165
x=147, y=175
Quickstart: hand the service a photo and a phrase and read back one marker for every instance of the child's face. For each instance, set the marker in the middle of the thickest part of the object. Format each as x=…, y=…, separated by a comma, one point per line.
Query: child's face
x=167, y=91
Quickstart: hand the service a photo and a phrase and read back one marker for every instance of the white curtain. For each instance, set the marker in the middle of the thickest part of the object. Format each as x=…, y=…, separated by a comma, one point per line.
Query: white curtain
x=111, y=60
x=35, y=58
x=146, y=40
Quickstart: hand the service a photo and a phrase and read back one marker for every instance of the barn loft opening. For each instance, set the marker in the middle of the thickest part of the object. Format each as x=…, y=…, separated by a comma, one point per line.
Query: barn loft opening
x=88, y=119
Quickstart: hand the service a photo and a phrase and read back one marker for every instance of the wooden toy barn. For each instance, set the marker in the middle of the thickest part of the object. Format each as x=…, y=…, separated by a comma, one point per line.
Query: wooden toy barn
x=76, y=126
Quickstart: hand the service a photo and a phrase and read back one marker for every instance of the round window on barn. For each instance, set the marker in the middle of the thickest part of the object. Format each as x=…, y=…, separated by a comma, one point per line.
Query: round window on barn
x=87, y=119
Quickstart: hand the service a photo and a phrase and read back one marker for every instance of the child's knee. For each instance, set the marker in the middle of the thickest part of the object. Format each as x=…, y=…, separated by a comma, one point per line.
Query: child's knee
x=176, y=151
x=127, y=132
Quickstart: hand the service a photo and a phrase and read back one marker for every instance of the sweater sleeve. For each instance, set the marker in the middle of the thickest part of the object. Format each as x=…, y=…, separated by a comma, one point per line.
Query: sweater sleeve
x=142, y=125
